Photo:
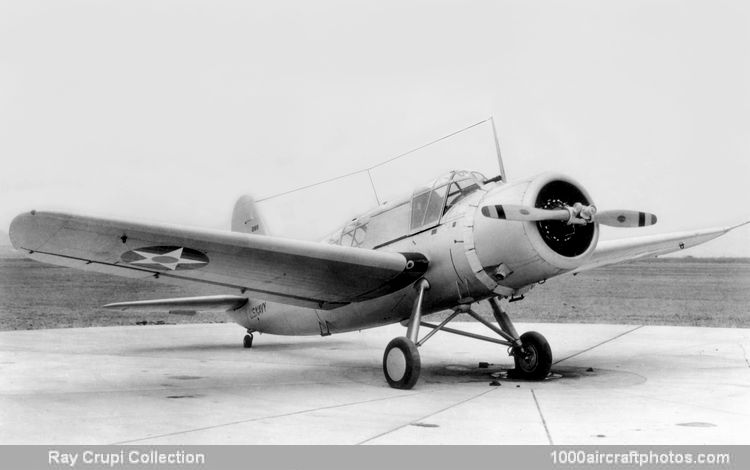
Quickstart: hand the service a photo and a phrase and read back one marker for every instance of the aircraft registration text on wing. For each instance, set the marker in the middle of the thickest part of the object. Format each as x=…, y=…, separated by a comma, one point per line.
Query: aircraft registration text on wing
x=459, y=240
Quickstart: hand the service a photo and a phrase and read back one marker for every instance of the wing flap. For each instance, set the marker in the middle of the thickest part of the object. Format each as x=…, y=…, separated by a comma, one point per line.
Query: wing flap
x=295, y=272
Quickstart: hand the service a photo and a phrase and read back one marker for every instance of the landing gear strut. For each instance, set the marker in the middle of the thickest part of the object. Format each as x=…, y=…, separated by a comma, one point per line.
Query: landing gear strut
x=401, y=362
x=531, y=352
x=247, y=341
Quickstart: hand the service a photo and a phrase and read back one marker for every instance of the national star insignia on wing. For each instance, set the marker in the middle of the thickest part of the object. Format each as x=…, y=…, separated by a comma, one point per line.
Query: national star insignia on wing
x=172, y=260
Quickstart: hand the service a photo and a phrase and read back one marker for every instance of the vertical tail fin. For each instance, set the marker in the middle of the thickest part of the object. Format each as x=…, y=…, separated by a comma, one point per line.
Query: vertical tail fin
x=246, y=217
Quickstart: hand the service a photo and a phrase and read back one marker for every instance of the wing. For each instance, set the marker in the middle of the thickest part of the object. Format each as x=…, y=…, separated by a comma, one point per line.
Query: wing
x=616, y=251
x=307, y=274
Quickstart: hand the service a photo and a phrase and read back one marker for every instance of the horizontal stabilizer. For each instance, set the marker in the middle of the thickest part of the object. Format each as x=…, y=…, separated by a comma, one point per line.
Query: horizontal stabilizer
x=209, y=303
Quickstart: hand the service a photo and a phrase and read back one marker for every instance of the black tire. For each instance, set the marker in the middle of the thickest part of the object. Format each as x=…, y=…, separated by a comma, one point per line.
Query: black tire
x=534, y=361
x=247, y=342
x=401, y=363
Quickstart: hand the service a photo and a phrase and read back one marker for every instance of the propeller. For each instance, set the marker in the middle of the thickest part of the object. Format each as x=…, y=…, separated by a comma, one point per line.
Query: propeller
x=578, y=214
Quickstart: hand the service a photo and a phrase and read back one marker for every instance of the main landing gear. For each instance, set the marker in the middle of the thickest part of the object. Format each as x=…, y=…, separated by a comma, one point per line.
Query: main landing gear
x=401, y=362
x=534, y=358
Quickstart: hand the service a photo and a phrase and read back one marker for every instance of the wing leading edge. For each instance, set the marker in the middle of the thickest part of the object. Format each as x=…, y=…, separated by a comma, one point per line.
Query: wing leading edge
x=626, y=249
x=294, y=272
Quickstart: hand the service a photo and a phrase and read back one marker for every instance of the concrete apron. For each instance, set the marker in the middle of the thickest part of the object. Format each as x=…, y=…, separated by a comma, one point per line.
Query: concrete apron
x=186, y=384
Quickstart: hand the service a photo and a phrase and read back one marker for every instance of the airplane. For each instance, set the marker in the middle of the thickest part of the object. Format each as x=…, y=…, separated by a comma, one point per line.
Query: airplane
x=459, y=240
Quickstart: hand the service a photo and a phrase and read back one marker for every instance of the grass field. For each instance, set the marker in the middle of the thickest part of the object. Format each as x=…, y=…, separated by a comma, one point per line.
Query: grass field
x=698, y=292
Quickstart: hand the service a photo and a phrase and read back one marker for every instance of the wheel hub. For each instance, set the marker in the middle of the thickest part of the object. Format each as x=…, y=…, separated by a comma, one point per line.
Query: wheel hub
x=527, y=357
x=396, y=364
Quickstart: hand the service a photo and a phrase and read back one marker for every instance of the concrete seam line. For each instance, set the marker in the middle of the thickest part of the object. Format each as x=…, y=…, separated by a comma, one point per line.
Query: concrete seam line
x=541, y=415
x=425, y=417
x=205, y=428
x=597, y=345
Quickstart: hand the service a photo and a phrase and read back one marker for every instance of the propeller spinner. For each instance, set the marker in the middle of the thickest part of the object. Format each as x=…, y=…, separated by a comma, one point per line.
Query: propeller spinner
x=578, y=214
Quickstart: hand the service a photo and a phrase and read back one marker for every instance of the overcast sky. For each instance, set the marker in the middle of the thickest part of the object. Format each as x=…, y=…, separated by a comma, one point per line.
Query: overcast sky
x=170, y=110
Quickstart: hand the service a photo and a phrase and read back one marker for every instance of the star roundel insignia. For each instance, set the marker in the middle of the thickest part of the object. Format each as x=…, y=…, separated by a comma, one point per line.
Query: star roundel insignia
x=165, y=258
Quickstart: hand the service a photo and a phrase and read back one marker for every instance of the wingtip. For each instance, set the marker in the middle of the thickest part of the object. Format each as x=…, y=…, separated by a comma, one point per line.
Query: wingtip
x=17, y=227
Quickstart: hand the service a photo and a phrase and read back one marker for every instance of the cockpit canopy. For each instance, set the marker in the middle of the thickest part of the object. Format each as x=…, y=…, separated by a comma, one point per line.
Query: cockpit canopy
x=428, y=204
x=397, y=219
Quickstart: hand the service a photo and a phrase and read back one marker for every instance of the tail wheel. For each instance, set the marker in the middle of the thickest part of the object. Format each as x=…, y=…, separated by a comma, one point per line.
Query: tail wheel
x=247, y=342
x=534, y=358
x=401, y=363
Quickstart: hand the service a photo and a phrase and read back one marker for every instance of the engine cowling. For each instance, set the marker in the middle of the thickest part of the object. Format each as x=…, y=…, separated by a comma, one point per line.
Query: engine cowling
x=516, y=254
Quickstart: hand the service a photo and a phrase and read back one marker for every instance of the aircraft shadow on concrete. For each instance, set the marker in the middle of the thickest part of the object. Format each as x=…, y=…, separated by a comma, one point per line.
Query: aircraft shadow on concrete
x=499, y=375
x=367, y=371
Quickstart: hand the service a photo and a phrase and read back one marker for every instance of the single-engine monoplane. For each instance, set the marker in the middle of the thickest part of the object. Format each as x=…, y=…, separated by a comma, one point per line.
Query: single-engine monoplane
x=459, y=240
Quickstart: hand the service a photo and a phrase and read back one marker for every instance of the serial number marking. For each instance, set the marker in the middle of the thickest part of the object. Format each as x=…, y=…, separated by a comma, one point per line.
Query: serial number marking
x=257, y=310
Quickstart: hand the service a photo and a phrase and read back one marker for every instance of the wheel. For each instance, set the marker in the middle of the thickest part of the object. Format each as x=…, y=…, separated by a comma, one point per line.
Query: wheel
x=248, y=341
x=534, y=359
x=401, y=363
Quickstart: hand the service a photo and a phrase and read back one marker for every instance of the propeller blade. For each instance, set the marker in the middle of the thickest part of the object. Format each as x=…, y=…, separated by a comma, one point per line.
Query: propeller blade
x=524, y=213
x=623, y=218
x=577, y=214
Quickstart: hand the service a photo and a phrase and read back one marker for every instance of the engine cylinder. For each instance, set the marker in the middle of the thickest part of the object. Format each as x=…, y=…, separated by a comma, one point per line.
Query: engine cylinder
x=564, y=239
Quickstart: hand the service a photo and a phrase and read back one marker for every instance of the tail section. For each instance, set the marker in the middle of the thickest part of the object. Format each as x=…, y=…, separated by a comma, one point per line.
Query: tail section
x=246, y=217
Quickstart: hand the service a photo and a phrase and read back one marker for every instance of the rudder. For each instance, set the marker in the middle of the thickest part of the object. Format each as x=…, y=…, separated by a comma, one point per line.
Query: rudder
x=246, y=217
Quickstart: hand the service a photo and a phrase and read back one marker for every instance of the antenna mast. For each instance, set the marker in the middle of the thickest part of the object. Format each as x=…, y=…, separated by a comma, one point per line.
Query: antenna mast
x=497, y=150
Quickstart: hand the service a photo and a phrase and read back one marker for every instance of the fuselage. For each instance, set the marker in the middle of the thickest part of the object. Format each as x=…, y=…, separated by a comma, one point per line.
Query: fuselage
x=471, y=257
